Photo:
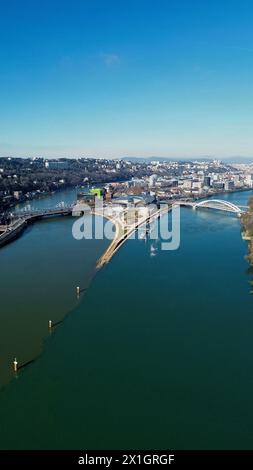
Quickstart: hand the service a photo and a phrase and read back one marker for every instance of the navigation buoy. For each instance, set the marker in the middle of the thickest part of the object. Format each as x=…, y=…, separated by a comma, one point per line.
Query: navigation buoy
x=78, y=291
x=50, y=324
x=15, y=365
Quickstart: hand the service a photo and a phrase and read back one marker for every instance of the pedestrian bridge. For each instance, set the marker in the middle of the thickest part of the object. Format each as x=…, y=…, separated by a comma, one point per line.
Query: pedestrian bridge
x=217, y=204
x=43, y=213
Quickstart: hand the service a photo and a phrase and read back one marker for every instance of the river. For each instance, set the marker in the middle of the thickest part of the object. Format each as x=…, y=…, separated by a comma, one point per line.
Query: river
x=158, y=353
x=39, y=275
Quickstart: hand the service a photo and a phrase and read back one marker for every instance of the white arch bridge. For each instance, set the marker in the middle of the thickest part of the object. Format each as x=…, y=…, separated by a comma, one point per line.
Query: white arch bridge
x=217, y=204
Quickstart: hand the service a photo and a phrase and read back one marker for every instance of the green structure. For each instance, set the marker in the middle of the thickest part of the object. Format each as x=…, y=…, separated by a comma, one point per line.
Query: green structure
x=98, y=192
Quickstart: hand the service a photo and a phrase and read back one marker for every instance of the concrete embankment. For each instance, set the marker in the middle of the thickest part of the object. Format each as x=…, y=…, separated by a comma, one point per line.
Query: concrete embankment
x=12, y=231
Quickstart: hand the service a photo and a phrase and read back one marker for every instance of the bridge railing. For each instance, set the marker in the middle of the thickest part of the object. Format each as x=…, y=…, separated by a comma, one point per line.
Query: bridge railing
x=29, y=213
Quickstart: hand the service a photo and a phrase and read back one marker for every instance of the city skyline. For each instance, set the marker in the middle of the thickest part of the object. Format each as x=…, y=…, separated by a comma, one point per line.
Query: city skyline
x=120, y=79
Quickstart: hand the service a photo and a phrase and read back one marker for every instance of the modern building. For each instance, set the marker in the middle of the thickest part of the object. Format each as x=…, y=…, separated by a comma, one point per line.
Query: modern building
x=152, y=180
x=229, y=185
x=218, y=184
x=98, y=192
x=187, y=184
x=196, y=184
x=86, y=197
x=207, y=181
x=248, y=180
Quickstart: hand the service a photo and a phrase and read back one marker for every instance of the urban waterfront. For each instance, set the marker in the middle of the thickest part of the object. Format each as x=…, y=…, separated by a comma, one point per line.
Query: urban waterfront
x=157, y=353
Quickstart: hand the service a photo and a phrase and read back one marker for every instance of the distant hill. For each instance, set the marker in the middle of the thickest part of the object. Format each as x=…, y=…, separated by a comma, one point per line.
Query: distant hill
x=163, y=159
x=234, y=159
x=237, y=159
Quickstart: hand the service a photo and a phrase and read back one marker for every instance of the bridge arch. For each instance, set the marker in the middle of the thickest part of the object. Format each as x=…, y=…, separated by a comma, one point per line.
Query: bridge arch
x=219, y=204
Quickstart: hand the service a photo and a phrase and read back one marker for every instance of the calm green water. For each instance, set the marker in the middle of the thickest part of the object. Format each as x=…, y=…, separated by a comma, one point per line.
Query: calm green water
x=38, y=279
x=157, y=354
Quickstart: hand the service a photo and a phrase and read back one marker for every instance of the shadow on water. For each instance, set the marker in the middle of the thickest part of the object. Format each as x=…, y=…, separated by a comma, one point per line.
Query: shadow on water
x=54, y=325
x=27, y=363
x=57, y=323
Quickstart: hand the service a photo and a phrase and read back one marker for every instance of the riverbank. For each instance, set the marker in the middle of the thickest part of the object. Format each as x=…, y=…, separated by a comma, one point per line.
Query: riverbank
x=247, y=229
x=12, y=231
x=222, y=193
x=24, y=200
x=15, y=229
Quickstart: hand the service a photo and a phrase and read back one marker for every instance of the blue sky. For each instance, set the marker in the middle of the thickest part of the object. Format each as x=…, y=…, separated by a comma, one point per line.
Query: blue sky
x=128, y=77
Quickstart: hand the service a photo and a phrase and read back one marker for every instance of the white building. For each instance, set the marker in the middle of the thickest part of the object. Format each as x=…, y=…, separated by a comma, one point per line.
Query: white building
x=152, y=180
x=197, y=185
x=248, y=180
x=187, y=184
